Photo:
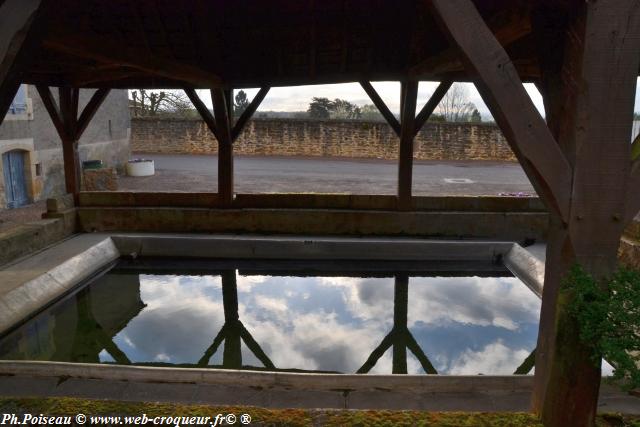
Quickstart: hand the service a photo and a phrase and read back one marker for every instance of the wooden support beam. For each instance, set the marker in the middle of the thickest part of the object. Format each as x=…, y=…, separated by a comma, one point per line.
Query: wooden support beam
x=202, y=109
x=70, y=127
x=225, y=147
x=407, y=135
x=90, y=109
x=248, y=113
x=432, y=104
x=16, y=17
x=382, y=107
x=54, y=111
x=228, y=96
x=498, y=82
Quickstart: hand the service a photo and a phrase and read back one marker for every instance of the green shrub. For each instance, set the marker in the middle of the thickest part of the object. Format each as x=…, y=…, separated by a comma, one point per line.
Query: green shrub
x=608, y=315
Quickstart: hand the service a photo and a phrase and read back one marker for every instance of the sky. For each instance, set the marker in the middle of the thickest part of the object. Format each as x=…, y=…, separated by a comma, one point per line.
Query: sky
x=297, y=98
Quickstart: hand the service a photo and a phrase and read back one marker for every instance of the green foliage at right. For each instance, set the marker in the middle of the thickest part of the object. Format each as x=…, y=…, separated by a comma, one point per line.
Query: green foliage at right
x=609, y=318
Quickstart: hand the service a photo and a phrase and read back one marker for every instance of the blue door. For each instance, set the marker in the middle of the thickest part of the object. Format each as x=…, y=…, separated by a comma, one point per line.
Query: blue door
x=15, y=186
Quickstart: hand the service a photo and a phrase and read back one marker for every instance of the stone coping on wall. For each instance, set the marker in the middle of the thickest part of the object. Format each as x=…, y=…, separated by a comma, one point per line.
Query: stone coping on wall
x=311, y=201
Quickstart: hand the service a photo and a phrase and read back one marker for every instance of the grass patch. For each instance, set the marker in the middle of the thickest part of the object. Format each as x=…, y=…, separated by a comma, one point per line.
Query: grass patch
x=286, y=417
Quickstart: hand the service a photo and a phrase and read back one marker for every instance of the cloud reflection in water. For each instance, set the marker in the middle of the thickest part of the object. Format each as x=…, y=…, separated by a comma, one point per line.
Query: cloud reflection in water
x=465, y=325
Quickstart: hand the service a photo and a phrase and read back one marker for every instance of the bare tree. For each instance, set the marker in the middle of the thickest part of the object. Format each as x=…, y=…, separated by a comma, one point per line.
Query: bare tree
x=455, y=105
x=153, y=103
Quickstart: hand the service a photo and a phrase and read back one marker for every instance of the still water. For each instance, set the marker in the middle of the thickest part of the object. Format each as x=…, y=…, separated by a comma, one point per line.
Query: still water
x=379, y=322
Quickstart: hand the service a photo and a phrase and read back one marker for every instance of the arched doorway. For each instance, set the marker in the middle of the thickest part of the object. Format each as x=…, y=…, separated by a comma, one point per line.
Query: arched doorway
x=15, y=184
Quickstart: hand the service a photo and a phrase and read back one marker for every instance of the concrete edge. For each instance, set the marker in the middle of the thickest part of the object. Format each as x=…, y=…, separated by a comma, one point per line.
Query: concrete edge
x=29, y=297
x=526, y=267
x=307, y=247
x=281, y=380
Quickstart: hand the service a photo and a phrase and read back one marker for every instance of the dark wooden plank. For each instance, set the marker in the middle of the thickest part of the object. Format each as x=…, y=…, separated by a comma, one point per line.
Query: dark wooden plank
x=105, y=51
x=498, y=82
x=54, y=111
x=225, y=147
x=90, y=110
x=248, y=113
x=202, y=110
x=382, y=107
x=432, y=104
x=400, y=307
x=407, y=134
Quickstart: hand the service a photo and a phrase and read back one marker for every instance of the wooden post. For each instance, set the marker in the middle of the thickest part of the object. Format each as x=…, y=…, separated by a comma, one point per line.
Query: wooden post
x=232, y=353
x=580, y=166
x=70, y=127
x=222, y=130
x=407, y=134
x=400, y=304
x=16, y=18
x=225, y=147
x=590, y=114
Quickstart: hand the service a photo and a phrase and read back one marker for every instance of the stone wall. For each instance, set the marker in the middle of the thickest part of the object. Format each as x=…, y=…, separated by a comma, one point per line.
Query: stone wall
x=295, y=137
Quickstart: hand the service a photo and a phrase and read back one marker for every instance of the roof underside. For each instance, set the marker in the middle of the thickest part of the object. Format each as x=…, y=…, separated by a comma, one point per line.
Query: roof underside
x=251, y=43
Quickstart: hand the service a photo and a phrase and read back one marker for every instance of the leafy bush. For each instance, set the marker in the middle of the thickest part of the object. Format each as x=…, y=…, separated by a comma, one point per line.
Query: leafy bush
x=609, y=318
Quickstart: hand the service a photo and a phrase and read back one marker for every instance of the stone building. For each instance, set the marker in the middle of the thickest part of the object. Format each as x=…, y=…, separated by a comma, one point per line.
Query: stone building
x=32, y=166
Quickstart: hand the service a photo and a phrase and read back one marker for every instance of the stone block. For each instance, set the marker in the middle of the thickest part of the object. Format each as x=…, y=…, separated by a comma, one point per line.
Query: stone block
x=105, y=179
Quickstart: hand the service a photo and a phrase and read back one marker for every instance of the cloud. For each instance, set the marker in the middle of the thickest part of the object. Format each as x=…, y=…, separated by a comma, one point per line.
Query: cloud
x=495, y=358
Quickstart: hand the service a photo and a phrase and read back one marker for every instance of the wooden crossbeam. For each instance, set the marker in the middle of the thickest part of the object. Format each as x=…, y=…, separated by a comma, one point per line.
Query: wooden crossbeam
x=248, y=113
x=431, y=105
x=204, y=112
x=407, y=135
x=90, y=109
x=499, y=84
x=225, y=146
x=54, y=112
x=382, y=107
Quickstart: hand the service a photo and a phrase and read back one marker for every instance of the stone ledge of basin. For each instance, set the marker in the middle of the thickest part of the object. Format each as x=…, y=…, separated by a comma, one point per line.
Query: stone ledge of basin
x=286, y=380
x=25, y=293
x=526, y=267
x=307, y=247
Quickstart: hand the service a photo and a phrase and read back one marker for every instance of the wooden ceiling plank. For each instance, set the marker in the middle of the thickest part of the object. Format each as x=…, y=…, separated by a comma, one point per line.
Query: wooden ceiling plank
x=382, y=107
x=502, y=90
x=248, y=112
x=103, y=50
x=432, y=104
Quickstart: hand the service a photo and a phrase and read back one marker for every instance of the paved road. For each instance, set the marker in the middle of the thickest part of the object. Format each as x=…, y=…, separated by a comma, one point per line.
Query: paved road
x=331, y=175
